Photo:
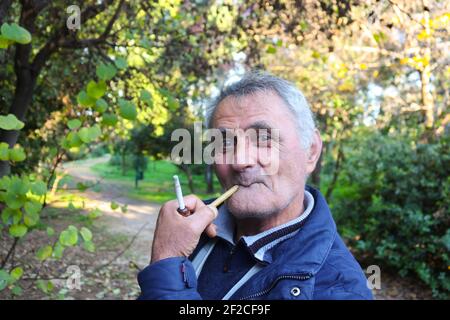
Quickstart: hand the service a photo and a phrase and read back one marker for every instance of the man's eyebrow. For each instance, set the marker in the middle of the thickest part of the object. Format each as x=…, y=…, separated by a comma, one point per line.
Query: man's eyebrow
x=258, y=125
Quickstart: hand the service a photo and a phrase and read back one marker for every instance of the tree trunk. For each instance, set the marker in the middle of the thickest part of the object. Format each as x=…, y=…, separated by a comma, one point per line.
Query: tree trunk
x=187, y=170
x=315, y=175
x=22, y=97
x=336, y=172
x=209, y=178
x=123, y=162
x=425, y=77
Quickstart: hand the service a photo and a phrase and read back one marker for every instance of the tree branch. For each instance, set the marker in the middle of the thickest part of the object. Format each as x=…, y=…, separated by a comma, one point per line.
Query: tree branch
x=56, y=41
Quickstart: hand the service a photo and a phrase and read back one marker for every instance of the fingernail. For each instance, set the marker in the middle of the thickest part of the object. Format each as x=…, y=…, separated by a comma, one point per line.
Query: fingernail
x=214, y=209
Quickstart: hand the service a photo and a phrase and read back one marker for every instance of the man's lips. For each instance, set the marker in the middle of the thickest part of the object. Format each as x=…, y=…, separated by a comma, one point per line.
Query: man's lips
x=247, y=184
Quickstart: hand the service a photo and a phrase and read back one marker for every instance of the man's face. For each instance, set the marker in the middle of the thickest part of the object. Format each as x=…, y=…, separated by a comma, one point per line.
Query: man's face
x=263, y=191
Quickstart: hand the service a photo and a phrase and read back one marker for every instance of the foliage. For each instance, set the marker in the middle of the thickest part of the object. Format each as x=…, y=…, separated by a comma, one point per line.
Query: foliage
x=392, y=204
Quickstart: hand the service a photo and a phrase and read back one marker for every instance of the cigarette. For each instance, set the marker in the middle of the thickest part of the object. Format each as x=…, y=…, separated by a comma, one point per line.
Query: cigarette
x=179, y=193
x=224, y=197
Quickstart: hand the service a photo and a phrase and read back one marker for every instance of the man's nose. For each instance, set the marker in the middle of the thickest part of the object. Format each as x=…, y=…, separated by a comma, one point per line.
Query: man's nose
x=245, y=154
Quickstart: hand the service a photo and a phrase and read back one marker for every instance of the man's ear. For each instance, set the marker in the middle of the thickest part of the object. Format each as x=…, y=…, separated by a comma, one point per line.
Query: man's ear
x=314, y=152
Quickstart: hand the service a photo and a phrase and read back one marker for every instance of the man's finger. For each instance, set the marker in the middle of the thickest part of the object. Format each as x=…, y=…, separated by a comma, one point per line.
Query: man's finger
x=193, y=202
x=211, y=230
x=202, y=217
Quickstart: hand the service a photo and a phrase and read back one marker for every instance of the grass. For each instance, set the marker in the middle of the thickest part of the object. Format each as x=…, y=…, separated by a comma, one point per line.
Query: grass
x=157, y=185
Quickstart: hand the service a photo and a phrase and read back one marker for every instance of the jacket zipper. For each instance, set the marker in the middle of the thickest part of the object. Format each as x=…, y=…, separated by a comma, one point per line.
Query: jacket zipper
x=266, y=291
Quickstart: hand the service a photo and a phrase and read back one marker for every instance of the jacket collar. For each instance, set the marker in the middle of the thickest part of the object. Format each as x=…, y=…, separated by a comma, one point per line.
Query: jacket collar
x=306, y=250
x=309, y=248
x=301, y=256
x=260, y=245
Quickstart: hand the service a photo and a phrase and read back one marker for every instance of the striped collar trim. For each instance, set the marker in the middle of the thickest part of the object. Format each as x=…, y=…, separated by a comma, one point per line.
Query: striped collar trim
x=260, y=244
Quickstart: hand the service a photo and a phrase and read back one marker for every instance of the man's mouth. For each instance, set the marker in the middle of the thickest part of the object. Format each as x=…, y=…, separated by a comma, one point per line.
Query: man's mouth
x=247, y=184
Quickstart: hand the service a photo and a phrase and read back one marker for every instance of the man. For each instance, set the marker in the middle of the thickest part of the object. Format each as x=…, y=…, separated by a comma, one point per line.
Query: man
x=275, y=237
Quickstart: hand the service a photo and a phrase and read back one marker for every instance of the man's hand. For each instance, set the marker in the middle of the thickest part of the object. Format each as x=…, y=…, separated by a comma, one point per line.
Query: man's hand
x=177, y=236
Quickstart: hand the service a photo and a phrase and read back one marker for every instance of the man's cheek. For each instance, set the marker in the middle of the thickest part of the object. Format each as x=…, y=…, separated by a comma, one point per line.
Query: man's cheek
x=269, y=159
x=222, y=171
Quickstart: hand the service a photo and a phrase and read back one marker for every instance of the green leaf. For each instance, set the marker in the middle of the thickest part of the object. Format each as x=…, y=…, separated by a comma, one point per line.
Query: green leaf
x=45, y=286
x=72, y=140
x=83, y=134
x=86, y=234
x=147, y=97
x=17, y=216
x=19, y=185
x=106, y=71
x=172, y=103
x=127, y=109
x=271, y=50
x=114, y=205
x=121, y=63
x=6, y=214
x=32, y=207
x=69, y=237
x=96, y=90
x=50, y=231
x=100, y=105
x=109, y=119
x=94, y=132
x=5, y=279
x=16, y=273
x=58, y=250
x=17, y=154
x=44, y=253
x=31, y=219
x=4, y=151
x=89, y=246
x=14, y=200
x=89, y=134
x=74, y=124
x=38, y=188
x=94, y=214
x=18, y=230
x=10, y=122
x=84, y=99
x=16, y=290
x=15, y=33
x=4, y=43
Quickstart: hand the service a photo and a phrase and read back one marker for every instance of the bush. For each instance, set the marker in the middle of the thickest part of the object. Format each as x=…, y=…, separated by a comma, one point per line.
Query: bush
x=392, y=204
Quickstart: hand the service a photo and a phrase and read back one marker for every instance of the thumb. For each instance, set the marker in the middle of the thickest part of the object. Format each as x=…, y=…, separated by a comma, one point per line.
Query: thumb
x=203, y=217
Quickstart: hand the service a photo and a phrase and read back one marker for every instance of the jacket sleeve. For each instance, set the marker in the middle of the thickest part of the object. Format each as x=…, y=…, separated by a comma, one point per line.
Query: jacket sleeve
x=169, y=279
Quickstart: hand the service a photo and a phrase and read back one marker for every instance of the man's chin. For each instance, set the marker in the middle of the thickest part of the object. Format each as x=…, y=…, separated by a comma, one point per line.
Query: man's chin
x=246, y=207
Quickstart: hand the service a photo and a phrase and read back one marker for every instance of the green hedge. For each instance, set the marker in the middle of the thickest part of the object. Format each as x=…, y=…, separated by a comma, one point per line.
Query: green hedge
x=392, y=204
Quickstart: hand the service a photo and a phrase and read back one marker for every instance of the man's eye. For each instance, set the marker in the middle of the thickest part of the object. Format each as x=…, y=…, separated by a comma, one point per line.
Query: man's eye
x=264, y=139
x=228, y=143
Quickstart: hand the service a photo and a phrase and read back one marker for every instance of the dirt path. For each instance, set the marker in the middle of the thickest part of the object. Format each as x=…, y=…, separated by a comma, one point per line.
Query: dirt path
x=140, y=216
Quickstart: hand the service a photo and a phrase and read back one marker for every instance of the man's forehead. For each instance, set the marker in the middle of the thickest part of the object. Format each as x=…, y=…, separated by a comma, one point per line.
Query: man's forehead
x=257, y=125
x=260, y=110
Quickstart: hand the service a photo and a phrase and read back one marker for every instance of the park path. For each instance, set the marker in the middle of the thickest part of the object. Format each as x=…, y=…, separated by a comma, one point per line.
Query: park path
x=139, y=220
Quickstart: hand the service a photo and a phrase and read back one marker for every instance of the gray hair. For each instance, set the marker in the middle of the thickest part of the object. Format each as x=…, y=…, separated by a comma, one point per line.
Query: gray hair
x=257, y=81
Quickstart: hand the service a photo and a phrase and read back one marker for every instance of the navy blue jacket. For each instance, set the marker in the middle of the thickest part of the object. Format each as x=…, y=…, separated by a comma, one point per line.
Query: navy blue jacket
x=313, y=264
